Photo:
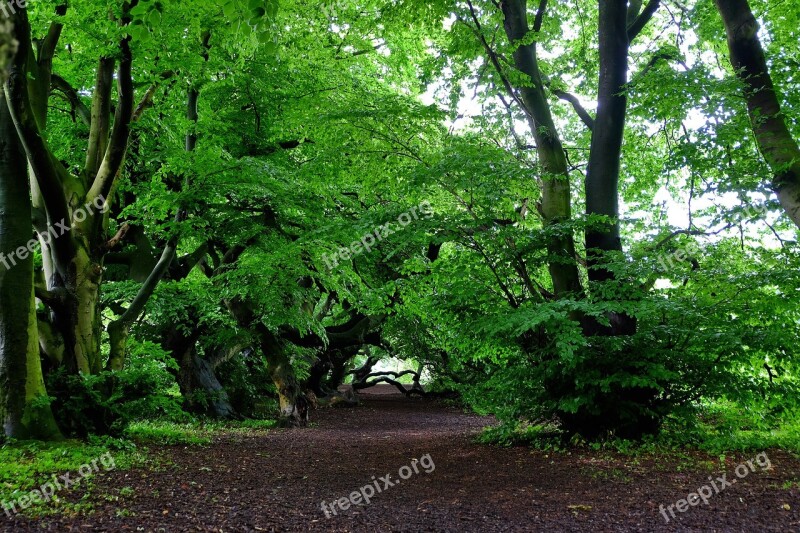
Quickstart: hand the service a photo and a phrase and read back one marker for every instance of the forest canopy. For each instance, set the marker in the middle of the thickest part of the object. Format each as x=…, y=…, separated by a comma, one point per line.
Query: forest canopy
x=580, y=217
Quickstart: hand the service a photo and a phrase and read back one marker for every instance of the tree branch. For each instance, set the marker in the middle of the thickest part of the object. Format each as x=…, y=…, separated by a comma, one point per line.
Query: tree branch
x=638, y=24
x=118, y=145
x=74, y=99
x=48, y=47
x=576, y=105
x=478, y=31
x=116, y=239
x=101, y=116
x=147, y=100
x=537, y=21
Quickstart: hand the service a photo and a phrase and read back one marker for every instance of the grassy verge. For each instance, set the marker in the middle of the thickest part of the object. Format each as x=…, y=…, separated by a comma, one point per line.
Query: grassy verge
x=36, y=476
x=31, y=472
x=192, y=433
x=716, y=429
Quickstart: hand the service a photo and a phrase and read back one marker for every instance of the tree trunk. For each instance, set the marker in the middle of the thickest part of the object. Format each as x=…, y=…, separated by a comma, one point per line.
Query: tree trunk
x=198, y=380
x=317, y=375
x=72, y=206
x=294, y=405
x=556, y=203
x=84, y=313
x=196, y=376
x=602, y=176
x=779, y=148
x=24, y=411
x=205, y=379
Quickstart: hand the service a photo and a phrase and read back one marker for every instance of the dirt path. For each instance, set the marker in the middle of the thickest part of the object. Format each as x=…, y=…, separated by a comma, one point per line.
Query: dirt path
x=278, y=481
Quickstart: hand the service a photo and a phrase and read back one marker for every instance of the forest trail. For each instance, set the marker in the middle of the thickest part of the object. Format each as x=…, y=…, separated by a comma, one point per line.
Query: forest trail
x=277, y=481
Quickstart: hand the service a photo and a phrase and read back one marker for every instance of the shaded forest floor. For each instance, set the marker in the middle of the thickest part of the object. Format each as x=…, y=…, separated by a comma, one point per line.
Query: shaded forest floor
x=277, y=481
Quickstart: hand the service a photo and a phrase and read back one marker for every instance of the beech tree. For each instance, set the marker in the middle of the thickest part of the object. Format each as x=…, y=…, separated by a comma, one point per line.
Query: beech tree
x=775, y=141
x=240, y=187
x=24, y=408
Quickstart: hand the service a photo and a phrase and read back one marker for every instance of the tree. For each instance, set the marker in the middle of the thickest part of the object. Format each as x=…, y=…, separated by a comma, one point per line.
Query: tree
x=778, y=147
x=556, y=202
x=24, y=405
x=73, y=261
x=260, y=202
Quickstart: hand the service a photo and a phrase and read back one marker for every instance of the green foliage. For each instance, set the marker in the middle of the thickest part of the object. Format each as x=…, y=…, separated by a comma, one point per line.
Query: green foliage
x=27, y=465
x=106, y=403
x=320, y=124
x=194, y=433
x=166, y=432
x=728, y=426
x=249, y=386
x=714, y=428
x=517, y=434
x=720, y=331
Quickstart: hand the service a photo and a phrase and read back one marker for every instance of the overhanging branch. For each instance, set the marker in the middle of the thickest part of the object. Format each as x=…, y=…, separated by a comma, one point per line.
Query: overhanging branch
x=638, y=24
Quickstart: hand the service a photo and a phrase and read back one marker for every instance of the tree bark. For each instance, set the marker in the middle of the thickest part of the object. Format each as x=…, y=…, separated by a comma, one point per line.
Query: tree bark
x=294, y=405
x=617, y=26
x=24, y=410
x=556, y=203
x=602, y=177
x=779, y=148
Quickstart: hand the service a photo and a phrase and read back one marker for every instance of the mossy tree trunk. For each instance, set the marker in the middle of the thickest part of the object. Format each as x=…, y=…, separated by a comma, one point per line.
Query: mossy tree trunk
x=24, y=410
x=294, y=405
x=70, y=211
x=556, y=201
x=779, y=148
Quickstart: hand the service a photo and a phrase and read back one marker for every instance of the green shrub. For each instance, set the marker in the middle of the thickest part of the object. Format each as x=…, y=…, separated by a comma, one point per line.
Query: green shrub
x=249, y=385
x=107, y=402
